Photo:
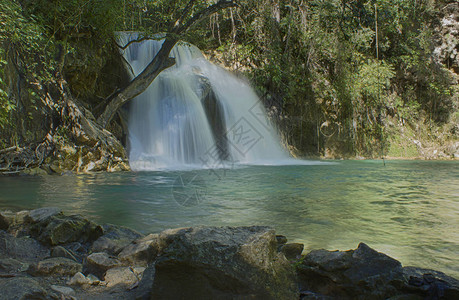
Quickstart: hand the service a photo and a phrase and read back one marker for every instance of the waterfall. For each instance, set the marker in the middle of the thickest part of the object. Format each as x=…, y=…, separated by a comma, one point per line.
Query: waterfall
x=196, y=115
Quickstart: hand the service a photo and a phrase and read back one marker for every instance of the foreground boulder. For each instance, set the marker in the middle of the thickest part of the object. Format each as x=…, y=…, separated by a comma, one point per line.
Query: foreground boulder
x=364, y=273
x=222, y=263
x=45, y=254
x=21, y=289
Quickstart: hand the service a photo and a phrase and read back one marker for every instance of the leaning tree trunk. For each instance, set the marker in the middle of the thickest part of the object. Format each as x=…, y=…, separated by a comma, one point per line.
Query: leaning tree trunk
x=160, y=62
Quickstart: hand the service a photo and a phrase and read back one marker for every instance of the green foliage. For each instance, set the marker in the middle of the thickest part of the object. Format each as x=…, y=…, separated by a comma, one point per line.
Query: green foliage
x=347, y=63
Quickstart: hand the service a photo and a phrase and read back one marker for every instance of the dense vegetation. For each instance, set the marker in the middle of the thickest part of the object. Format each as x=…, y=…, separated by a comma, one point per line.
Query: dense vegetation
x=345, y=74
x=339, y=77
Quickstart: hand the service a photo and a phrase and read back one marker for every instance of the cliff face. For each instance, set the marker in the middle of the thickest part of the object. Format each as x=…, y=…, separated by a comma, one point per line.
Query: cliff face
x=53, y=125
x=447, y=37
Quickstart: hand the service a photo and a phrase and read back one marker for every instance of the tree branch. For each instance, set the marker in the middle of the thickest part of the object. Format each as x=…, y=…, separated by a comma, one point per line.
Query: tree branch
x=222, y=4
x=161, y=61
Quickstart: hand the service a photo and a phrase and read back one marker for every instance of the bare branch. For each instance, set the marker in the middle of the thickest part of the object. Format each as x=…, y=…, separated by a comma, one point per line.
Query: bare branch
x=222, y=4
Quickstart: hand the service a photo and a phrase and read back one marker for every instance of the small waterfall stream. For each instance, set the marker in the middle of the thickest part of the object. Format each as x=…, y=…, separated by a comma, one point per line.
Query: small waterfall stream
x=196, y=115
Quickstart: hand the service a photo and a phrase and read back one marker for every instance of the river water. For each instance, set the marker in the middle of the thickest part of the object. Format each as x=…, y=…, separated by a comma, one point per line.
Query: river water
x=406, y=209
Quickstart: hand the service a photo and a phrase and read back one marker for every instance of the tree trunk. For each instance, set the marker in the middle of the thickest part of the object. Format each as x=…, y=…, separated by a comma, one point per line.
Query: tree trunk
x=139, y=84
x=161, y=61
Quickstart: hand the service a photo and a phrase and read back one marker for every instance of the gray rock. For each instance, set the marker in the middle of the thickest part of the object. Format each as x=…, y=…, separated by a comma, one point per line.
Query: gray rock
x=56, y=266
x=431, y=284
x=11, y=265
x=222, y=263
x=126, y=276
x=361, y=273
x=64, y=290
x=6, y=219
x=281, y=239
x=63, y=229
x=24, y=248
x=42, y=214
x=21, y=288
x=114, y=239
x=292, y=251
x=99, y=263
x=140, y=252
x=145, y=285
x=60, y=251
x=78, y=279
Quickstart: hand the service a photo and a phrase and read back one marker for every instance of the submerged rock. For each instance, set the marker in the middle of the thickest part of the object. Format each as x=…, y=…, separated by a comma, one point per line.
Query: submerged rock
x=222, y=263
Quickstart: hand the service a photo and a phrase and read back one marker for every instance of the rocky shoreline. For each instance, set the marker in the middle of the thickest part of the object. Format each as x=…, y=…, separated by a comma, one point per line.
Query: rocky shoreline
x=46, y=254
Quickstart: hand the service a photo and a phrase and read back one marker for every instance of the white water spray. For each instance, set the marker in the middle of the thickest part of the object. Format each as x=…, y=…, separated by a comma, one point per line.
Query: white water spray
x=196, y=115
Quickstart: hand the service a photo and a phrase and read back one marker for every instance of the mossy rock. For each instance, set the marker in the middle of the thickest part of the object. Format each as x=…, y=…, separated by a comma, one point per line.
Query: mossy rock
x=66, y=229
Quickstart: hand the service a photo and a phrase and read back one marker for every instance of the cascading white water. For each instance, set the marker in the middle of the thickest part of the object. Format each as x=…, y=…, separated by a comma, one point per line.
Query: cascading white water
x=196, y=115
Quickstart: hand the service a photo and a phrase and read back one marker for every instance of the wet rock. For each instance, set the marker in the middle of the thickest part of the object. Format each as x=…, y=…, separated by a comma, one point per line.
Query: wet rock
x=363, y=273
x=99, y=263
x=24, y=248
x=126, y=276
x=281, y=240
x=66, y=229
x=222, y=263
x=140, y=252
x=21, y=288
x=60, y=251
x=431, y=284
x=292, y=251
x=114, y=239
x=56, y=266
x=42, y=214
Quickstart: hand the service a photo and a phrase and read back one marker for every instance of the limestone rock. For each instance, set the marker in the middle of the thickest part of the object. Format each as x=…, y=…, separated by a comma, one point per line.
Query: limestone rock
x=222, y=263
x=21, y=288
x=141, y=251
x=56, y=266
x=98, y=263
x=126, y=276
x=114, y=239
